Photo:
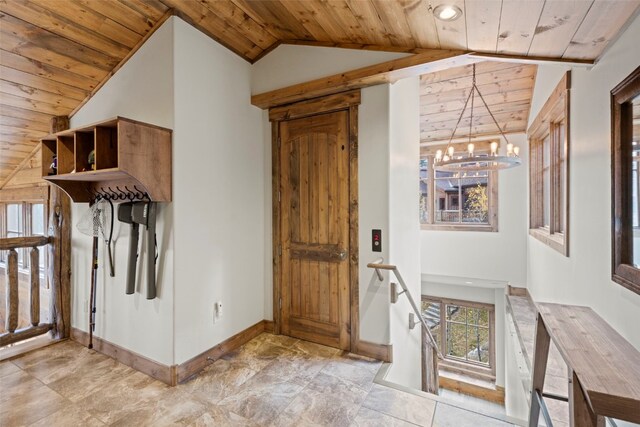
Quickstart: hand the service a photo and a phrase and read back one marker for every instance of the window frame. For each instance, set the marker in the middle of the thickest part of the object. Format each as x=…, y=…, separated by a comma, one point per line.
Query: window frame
x=26, y=212
x=623, y=270
x=456, y=364
x=554, y=114
x=428, y=152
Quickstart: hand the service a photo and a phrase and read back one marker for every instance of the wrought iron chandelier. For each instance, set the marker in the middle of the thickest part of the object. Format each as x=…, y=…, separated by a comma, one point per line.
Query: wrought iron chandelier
x=449, y=160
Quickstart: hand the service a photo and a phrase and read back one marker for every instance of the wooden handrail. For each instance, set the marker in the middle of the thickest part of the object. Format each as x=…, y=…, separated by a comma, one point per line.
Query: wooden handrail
x=23, y=242
x=35, y=328
x=381, y=266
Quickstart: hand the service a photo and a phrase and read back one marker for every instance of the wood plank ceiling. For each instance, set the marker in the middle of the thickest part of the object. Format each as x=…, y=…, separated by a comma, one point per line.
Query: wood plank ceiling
x=55, y=53
x=507, y=88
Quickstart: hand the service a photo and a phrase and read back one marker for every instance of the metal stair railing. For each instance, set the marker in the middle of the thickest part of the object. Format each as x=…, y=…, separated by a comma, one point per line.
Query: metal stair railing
x=378, y=265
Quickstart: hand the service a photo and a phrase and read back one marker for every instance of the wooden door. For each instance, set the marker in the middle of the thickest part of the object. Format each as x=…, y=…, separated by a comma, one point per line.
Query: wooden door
x=314, y=185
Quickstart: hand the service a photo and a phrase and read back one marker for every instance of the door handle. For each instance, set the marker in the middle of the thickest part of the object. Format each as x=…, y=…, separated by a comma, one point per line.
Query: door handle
x=342, y=255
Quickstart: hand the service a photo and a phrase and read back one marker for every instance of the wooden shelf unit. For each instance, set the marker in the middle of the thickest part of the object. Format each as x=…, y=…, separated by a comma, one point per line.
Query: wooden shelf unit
x=127, y=154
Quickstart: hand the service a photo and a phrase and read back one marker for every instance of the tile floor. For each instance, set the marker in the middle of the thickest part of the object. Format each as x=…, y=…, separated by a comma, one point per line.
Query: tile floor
x=270, y=381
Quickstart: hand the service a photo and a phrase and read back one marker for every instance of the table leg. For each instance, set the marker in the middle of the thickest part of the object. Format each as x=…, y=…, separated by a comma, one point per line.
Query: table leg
x=540, y=357
x=580, y=412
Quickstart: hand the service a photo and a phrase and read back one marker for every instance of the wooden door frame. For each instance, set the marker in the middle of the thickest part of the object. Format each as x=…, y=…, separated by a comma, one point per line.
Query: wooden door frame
x=346, y=101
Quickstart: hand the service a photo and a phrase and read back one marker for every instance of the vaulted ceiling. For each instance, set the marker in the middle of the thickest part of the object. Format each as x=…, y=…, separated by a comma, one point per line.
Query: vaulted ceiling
x=55, y=53
x=506, y=87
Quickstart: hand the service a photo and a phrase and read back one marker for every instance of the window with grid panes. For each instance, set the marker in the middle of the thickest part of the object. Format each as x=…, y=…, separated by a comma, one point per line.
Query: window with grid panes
x=464, y=332
x=549, y=156
x=457, y=200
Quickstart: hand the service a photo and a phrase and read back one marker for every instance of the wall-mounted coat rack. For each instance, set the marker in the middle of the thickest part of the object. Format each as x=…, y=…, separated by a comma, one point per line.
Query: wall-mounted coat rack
x=118, y=159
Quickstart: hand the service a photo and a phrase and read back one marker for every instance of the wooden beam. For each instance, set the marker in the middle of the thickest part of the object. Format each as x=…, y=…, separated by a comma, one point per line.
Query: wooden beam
x=20, y=166
x=23, y=242
x=359, y=46
x=169, y=13
x=386, y=72
x=24, y=333
x=522, y=59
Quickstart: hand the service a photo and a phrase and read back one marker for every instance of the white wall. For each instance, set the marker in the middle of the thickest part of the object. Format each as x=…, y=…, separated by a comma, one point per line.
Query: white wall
x=218, y=194
x=404, y=226
x=212, y=236
x=141, y=90
x=291, y=64
x=487, y=255
x=585, y=277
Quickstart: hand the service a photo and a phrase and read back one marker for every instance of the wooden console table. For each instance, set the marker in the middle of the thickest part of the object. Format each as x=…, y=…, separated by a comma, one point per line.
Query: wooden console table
x=604, y=368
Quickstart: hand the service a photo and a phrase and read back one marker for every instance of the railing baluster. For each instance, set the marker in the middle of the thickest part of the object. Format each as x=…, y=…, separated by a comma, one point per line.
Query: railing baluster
x=13, y=334
x=35, y=286
x=12, y=291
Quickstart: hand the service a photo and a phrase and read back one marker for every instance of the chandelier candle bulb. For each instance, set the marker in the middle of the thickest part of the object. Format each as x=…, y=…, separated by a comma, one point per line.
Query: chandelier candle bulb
x=445, y=158
x=509, y=149
x=439, y=155
x=516, y=151
x=470, y=149
x=494, y=148
x=450, y=150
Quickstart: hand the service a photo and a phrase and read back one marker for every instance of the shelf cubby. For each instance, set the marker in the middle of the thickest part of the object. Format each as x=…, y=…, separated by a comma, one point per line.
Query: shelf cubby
x=49, y=149
x=128, y=154
x=85, y=144
x=66, y=154
x=106, y=147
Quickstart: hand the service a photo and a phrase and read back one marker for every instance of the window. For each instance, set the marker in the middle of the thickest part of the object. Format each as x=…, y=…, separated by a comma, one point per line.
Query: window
x=464, y=332
x=457, y=200
x=625, y=154
x=548, y=166
x=19, y=220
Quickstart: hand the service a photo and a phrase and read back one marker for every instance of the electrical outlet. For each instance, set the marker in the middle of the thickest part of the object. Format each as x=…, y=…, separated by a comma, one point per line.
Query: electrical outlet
x=217, y=311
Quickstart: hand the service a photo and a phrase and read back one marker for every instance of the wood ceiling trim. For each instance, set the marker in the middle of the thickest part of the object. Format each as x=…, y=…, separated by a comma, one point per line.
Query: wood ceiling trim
x=358, y=46
x=167, y=15
x=523, y=59
x=385, y=72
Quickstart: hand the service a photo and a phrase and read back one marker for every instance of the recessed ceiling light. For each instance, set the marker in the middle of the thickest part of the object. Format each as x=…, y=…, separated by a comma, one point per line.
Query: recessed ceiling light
x=447, y=12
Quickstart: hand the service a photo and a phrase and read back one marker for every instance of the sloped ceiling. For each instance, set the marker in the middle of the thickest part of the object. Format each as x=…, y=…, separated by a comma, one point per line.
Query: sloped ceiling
x=54, y=53
x=506, y=87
